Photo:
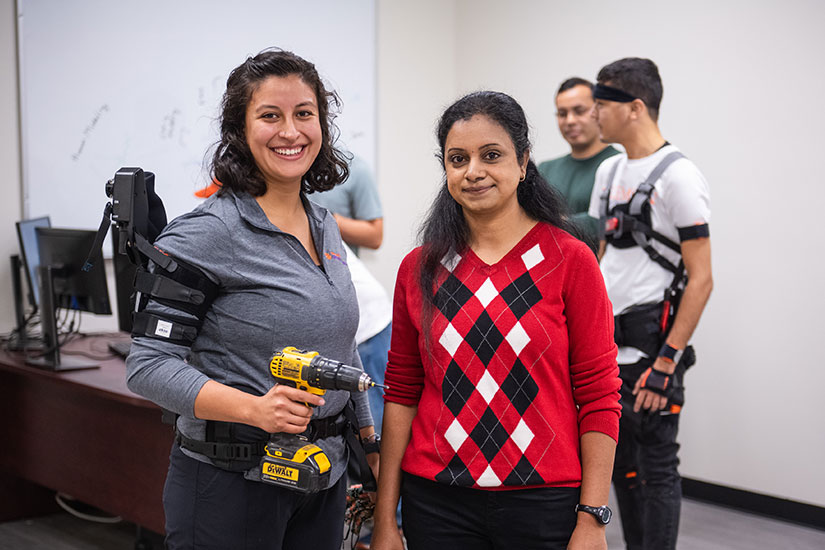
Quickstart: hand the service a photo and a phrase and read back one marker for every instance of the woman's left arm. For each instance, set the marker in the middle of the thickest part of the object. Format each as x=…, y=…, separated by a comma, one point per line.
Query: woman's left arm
x=597, y=450
x=596, y=384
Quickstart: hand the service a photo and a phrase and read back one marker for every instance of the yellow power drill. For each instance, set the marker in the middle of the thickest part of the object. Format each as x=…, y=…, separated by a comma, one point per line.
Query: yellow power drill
x=292, y=461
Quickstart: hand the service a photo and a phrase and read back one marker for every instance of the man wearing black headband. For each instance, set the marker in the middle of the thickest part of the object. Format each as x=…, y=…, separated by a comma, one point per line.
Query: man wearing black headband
x=573, y=174
x=654, y=209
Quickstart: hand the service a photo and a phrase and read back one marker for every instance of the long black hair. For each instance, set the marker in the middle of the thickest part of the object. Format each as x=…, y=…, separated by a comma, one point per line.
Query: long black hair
x=445, y=229
x=232, y=162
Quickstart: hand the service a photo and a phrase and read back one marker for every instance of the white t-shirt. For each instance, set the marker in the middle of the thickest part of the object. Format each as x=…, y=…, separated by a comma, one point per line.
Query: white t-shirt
x=680, y=199
x=373, y=301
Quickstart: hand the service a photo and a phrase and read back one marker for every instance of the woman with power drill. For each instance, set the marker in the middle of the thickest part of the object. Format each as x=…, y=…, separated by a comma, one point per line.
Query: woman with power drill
x=274, y=268
x=502, y=413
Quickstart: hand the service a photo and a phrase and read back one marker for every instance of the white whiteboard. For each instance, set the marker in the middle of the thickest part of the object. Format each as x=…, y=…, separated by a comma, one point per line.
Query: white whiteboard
x=106, y=84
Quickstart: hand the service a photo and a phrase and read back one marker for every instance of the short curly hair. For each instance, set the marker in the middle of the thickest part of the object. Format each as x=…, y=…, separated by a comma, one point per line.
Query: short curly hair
x=232, y=162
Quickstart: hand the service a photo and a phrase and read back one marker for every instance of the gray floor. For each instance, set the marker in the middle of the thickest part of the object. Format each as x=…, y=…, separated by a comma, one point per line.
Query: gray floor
x=708, y=527
x=704, y=527
x=65, y=532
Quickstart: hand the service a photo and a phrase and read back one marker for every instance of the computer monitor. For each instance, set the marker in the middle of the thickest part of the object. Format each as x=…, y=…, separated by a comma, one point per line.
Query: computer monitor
x=65, y=251
x=64, y=284
x=30, y=255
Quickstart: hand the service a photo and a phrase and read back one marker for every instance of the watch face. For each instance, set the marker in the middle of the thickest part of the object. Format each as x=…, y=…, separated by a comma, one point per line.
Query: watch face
x=605, y=514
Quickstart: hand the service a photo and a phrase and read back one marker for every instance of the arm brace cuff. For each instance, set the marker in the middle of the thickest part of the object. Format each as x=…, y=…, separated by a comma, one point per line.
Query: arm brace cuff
x=183, y=288
x=693, y=232
x=170, y=328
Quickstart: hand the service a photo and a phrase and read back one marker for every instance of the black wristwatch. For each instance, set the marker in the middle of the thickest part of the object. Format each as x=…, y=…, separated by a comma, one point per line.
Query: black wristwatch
x=602, y=513
x=372, y=443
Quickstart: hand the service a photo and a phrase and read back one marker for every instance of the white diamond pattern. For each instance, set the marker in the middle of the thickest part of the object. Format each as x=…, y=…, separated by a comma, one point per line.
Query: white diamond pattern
x=488, y=478
x=486, y=293
x=450, y=339
x=522, y=435
x=517, y=338
x=450, y=261
x=487, y=387
x=455, y=435
x=532, y=257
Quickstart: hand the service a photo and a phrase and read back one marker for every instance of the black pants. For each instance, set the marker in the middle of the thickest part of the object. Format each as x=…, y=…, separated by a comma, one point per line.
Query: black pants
x=645, y=475
x=459, y=518
x=210, y=508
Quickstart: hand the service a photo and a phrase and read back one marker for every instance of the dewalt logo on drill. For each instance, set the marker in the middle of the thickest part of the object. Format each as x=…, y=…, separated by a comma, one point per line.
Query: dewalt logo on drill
x=279, y=471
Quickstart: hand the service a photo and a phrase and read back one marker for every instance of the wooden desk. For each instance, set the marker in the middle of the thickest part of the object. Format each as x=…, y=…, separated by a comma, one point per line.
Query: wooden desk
x=82, y=433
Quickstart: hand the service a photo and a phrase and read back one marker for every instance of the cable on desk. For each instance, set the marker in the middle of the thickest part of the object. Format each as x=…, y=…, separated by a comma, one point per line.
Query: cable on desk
x=61, y=498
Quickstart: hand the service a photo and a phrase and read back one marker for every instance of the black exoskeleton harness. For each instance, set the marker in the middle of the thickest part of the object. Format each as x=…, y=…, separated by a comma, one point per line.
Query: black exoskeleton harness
x=626, y=225
x=629, y=224
x=138, y=215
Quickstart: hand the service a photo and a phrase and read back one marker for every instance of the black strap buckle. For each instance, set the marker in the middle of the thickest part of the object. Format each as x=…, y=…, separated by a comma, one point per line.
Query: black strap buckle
x=619, y=224
x=322, y=428
x=224, y=454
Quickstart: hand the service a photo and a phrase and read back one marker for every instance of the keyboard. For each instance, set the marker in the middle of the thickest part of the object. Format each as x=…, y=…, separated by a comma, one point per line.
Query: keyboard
x=121, y=347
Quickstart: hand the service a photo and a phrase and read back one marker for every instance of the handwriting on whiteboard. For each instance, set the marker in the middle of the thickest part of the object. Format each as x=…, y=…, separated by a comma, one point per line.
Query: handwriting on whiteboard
x=88, y=131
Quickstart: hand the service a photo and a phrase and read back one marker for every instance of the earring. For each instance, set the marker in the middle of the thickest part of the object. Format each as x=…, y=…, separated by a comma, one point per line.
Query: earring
x=523, y=176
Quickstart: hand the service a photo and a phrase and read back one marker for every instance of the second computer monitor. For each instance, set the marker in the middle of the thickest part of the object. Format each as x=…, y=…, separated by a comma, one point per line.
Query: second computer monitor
x=27, y=236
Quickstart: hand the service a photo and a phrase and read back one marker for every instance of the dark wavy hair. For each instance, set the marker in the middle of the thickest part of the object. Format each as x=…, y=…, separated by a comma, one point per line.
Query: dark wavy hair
x=232, y=162
x=445, y=229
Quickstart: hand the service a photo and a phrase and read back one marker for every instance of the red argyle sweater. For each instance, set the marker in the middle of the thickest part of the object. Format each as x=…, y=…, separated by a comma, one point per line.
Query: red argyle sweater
x=521, y=363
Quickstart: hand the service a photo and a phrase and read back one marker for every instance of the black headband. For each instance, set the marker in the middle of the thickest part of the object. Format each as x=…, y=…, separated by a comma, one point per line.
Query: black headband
x=609, y=93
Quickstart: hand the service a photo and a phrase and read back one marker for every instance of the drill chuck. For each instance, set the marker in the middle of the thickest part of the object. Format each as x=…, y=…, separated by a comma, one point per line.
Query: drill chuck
x=334, y=375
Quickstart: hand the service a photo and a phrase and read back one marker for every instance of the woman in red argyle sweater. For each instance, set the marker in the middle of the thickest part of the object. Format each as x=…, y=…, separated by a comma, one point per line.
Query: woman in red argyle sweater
x=502, y=411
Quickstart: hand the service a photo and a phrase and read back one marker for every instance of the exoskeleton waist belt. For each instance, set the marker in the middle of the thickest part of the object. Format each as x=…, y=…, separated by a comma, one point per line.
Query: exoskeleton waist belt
x=236, y=453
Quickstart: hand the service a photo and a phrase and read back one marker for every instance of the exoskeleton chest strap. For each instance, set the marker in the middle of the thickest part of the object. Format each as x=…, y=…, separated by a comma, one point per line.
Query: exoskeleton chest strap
x=629, y=224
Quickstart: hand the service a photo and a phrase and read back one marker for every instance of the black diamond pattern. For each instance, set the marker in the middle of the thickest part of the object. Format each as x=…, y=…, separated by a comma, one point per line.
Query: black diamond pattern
x=521, y=295
x=451, y=297
x=489, y=435
x=456, y=473
x=456, y=389
x=484, y=337
x=519, y=387
x=524, y=474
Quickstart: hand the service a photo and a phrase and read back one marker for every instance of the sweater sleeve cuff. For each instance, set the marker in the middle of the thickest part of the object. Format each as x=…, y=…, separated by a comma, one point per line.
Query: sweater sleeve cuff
x=404, y=379
x=606, y=422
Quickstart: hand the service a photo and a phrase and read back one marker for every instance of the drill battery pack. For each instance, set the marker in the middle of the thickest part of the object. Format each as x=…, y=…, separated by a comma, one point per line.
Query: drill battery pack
x=293, y=462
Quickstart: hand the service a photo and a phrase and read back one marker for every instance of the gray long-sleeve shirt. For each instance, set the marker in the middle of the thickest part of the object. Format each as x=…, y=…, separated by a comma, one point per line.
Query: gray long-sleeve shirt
x=271, y=295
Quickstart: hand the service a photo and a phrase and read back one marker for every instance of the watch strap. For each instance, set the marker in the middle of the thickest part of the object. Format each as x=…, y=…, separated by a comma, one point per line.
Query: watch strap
x=601, y=513
x=372, y=444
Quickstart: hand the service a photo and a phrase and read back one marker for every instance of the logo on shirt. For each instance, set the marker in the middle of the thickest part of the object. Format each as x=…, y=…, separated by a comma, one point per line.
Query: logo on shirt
x=334, y=256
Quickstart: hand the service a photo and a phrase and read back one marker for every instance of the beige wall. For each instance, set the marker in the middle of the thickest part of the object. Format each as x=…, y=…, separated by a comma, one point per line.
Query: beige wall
x=416, y=80
x=10, y=182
